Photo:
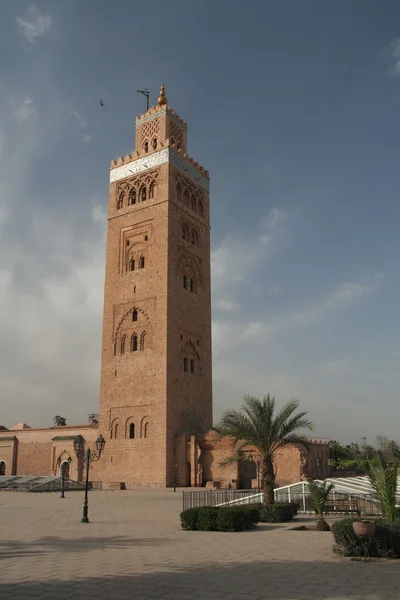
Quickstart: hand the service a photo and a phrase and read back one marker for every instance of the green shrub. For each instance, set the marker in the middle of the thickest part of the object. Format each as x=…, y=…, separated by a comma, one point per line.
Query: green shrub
x=207, y=518
x=279, y=512
x=384, y=544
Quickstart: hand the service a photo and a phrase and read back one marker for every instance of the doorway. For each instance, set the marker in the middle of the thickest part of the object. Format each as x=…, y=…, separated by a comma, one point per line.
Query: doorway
x=2, y=468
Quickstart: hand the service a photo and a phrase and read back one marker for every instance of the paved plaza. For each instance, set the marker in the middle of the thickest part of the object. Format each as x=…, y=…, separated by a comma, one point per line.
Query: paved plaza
x=134, y=549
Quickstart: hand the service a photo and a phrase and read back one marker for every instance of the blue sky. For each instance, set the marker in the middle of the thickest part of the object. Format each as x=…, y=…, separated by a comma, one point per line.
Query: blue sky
x=294, y=109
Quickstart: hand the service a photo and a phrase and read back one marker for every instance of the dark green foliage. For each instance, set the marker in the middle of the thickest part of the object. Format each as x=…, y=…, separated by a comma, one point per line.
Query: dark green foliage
x=384, y=544
x=277, y=513
x=212, y=518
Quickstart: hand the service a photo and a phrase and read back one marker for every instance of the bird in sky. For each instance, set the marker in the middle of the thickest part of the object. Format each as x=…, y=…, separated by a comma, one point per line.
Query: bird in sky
x=101, y=103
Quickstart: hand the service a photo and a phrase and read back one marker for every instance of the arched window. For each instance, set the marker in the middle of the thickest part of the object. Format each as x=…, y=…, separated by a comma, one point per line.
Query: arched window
x=185, y=364
x=123, y=341
x=195, y=238
x=193, y=203
x=172, y=140
x=132, y=197
x=142, y=262
x=133, y=342
x=200, y=208
x=185, y=282
x=151, y=190
x=120, y=202
x=185, y=232
x=143, y=193
x=134, y=315
x=186, y=198
x=146, y=146
x=131, y=431
x=146, y=430
x=192, y=285
x=115, y=348
x=192, y=366
x=3, y=464
x=179, y=193
x=131, y=265
x=142, y=339
x=116, y=431
x=154, y=143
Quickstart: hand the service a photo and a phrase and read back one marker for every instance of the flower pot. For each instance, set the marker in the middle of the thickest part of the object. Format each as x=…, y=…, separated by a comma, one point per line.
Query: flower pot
x=364, y=529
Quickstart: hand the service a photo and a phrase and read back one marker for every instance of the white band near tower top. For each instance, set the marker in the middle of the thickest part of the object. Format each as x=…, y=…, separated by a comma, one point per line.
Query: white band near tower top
x=156, y=159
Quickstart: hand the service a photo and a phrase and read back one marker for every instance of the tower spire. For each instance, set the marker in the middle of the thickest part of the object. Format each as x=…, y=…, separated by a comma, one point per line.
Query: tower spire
x=162, y=99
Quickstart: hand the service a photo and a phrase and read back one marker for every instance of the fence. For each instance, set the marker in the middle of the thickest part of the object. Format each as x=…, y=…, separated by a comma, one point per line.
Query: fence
x=338, y=502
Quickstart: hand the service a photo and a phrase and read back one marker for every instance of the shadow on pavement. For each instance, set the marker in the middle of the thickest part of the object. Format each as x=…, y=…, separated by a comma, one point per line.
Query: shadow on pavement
x=247, y=581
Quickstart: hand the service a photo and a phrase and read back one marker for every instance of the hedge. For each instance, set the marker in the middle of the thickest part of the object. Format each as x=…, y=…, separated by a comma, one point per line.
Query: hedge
x=213, y=518
x=279, y=512
x=384, y=544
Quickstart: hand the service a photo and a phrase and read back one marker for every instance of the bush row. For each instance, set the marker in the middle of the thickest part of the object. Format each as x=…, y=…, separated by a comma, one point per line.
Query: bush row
x=212, y=518
x=384, y=544
x=279, y=512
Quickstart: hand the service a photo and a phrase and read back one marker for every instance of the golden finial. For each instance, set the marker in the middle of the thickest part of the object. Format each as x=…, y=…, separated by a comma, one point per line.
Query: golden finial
x=162, y=99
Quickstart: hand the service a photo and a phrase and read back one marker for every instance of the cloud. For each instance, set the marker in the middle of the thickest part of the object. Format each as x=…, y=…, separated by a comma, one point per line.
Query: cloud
x=394, y=49
x=34, y=24
x=235, y=259
x=270, y=326
x=25, y=110
x=85, y=137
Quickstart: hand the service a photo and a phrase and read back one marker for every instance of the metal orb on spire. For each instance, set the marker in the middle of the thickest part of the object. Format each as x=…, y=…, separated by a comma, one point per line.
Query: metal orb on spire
x=162, y=99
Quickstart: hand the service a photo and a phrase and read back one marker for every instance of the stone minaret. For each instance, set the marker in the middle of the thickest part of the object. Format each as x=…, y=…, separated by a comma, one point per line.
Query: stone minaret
x=156, y=381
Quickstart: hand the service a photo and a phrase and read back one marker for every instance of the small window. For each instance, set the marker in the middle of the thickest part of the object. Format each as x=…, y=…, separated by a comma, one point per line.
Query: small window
x=146, y=146
x=115, y=349
x=198, y=342
x=131, y=265
x=185, y=282
x=134, y=289
x=185, y=364
x=116, y=431
x=186, y=198
x=132, y=197
x=194, y=206
x=134, y=315
x=146, y=430
x=151, y=191
x=200, y=208
x=154, y=143
x=145, y=238
x=120, y=202
x=143, y=194
x=179, y=193
x=142, y=340
x=192, y=285
x=183, y=232
x=181, y=337
x=131, y=431
x=134, y=342
x=192, y=366
x=142, y=262
x=195, y=239
x=123, y=341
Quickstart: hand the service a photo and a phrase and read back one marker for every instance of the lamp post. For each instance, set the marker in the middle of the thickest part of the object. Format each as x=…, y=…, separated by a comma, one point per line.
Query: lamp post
x=90, y=456
x=175, y=468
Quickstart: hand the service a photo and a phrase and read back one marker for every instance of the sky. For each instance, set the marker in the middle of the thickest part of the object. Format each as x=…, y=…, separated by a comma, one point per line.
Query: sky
x=293, y=107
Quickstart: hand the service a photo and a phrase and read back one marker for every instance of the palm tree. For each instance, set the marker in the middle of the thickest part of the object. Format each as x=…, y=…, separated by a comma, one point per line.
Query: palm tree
x=319, y=495
x=255, y=425
x=384, y=481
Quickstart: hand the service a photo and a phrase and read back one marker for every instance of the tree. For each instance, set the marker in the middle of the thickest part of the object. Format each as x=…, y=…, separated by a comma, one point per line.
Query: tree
x=384, y=481
x=255, y=425
x=59, y=421
x=319, y=496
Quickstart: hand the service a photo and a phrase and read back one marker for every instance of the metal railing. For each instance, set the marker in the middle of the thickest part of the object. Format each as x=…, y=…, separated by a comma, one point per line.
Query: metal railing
x=214, y=497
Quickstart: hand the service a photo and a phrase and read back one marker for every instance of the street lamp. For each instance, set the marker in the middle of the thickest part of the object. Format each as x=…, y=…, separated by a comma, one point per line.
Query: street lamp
x=62, y=465
x=175, y=468
x=90, y=456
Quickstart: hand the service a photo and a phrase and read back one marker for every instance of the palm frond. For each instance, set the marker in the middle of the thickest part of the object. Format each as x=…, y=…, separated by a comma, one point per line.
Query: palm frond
x=319, y=493
x=384, y=482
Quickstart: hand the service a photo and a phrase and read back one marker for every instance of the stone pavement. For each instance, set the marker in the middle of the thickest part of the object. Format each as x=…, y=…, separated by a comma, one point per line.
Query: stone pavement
x=134, y=548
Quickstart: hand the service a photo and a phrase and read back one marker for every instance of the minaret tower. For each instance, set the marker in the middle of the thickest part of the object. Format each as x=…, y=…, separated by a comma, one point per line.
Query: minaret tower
x=156, y=384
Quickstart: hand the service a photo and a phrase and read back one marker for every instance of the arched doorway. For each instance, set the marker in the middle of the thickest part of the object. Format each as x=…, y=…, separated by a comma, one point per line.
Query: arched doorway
x=188, y=475
x=247, y=472
x=64, y=469
x=2, y=468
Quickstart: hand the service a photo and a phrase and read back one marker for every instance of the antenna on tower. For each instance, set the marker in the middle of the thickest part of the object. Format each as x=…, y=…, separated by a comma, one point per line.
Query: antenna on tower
x=146, y=93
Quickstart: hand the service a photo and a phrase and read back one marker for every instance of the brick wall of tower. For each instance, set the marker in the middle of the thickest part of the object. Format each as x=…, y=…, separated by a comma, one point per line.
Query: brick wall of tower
x=189, y=320
x=133, y=385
